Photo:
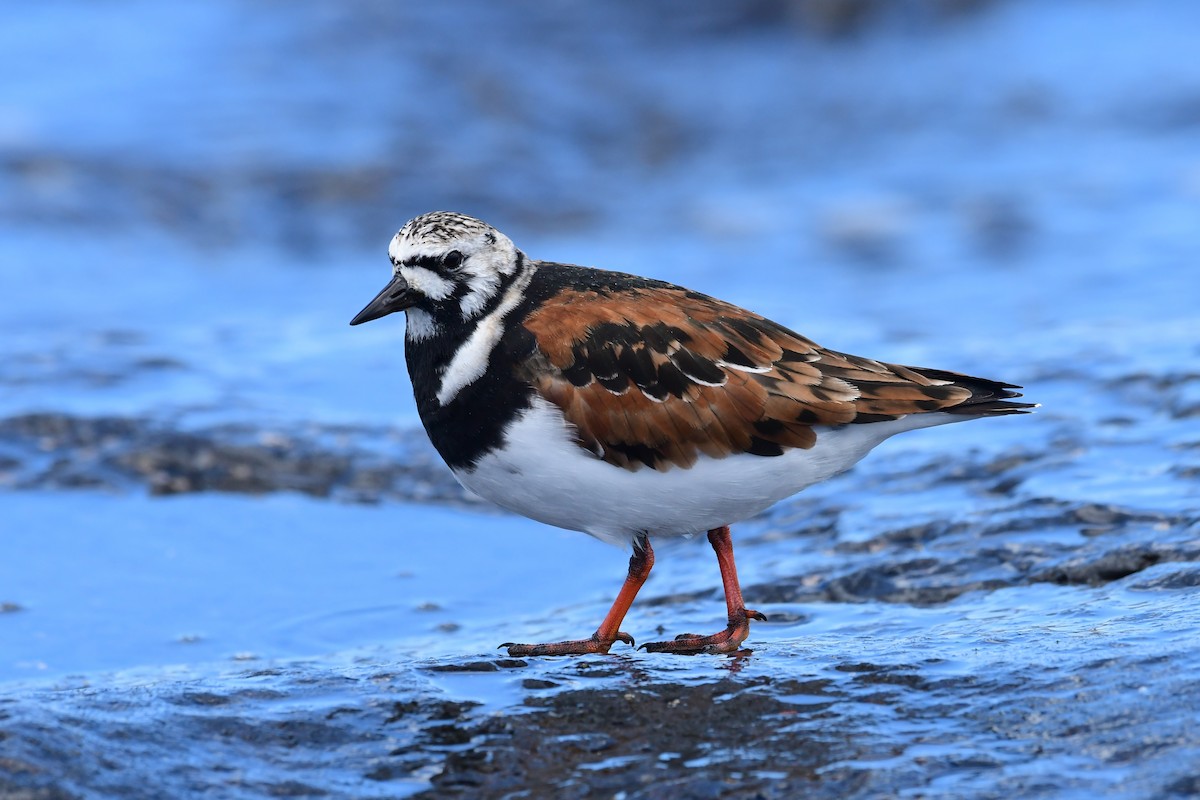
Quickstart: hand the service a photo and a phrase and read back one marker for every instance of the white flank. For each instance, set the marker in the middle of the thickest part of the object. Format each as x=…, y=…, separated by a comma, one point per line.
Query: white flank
x=543, y=474
x=471, y=359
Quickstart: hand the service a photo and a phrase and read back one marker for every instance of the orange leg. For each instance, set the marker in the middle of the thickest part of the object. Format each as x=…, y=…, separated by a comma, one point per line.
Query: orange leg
x=730, y=639
x=640, y=564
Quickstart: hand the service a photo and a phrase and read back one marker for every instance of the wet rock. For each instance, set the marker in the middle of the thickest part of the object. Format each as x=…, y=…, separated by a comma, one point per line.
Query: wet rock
x=746, y=727
x=1044, y=540
x=1096, y=514
x=999, y=225
x=62, y=451
x=671, y=740
x=203, y=699
x=470, y=666
x=1096, y=570
x=870, y=230
x=1184, y=787
x=1178, y=579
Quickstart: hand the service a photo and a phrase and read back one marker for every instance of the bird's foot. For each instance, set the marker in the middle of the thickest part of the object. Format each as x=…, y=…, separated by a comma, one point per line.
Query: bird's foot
x=727, y=641
x=575, y=647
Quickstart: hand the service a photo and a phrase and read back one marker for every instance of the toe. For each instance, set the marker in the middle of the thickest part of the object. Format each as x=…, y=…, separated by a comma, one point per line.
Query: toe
x=574, y=647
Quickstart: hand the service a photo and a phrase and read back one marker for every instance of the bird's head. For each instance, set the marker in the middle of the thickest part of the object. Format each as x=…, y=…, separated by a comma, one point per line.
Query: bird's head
x=447, y=268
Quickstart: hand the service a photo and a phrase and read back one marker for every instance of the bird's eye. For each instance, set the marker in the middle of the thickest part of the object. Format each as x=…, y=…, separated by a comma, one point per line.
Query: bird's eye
x=452, y=260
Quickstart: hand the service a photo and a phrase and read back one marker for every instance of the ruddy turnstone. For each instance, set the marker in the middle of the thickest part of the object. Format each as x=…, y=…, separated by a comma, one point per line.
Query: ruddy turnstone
x=629, y=408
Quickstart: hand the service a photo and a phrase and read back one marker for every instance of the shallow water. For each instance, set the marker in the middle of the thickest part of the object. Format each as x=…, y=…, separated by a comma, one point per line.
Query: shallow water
x=230, y=562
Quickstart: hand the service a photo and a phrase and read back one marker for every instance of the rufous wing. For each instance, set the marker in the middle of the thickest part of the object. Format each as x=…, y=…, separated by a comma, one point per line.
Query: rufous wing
x=659, y=376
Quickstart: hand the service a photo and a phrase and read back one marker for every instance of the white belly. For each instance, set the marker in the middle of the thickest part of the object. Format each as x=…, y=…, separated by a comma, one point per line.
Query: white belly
x=542, y=474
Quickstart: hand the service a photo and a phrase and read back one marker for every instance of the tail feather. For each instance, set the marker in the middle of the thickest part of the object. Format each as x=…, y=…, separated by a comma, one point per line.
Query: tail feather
x=988, y=397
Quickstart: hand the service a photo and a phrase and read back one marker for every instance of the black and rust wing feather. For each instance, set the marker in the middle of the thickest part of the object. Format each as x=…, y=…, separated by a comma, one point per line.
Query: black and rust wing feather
x=655, y=375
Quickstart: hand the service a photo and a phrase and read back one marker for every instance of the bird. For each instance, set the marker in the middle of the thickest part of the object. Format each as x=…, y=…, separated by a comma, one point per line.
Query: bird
x=633, y=409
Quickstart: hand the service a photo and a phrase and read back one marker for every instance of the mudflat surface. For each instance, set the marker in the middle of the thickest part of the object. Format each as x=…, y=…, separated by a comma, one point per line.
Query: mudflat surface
x=230, y=563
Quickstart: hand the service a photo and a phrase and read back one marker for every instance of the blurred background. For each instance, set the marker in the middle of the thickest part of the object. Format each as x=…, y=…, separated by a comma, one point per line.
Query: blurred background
x=200, y=460
x=193, y=197
x=216, y=492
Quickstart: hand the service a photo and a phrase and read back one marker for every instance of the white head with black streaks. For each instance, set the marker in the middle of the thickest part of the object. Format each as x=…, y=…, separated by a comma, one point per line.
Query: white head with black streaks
x=452, y=264
x=455, y=277
x=447, y=269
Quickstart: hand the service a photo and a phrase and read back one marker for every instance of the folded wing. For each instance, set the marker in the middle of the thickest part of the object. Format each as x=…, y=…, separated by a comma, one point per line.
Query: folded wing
x=672, y=375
